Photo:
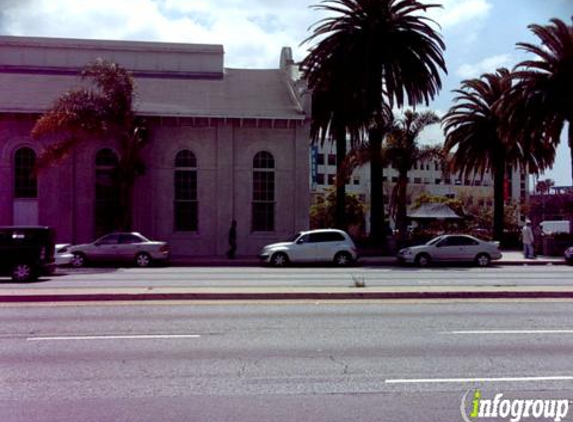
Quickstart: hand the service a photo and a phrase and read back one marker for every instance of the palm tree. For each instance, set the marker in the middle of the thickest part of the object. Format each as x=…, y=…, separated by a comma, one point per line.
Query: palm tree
x=473, y=129
x=403, y=151
x=376, y=54
x=334, y=116
x=543, y=187
x=400, y=149
x=541, y=101
x=102, y=110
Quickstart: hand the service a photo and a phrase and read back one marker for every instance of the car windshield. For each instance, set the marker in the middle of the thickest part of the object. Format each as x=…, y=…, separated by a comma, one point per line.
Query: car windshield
x=293, y=237
x=435, y=240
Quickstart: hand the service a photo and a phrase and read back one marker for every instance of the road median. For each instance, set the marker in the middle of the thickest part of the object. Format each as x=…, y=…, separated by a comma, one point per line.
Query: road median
x=214, y=294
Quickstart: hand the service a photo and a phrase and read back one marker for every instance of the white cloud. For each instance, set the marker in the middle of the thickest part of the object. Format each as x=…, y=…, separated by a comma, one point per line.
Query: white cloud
x=487, y=65
x=252, y=32
x=252, y=35
x=456, y=12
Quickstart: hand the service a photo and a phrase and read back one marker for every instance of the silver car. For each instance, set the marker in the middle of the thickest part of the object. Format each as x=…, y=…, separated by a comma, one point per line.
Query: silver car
x=62, y=255
x=326, y=245
x=450, y=248
x=126, y=247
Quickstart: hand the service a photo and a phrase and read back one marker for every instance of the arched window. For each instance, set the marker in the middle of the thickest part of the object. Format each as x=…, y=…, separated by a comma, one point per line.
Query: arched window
x=263, y=205
x=185, y=204
x=25, y=181
x=106, y=191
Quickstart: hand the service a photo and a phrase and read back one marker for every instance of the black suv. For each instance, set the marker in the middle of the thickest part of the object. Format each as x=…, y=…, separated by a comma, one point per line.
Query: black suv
x=26, y=252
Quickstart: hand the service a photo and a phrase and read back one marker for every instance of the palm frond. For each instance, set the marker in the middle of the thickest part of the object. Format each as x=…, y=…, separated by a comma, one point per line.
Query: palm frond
x=541, y=99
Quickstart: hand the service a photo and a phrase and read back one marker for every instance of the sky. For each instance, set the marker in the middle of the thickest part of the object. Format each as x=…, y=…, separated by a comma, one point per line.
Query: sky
x=480, y=35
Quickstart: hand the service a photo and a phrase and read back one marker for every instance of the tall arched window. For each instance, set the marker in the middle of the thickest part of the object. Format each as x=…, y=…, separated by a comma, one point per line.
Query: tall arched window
x=106, y=191
x=185, y=204
x=25, y=181
x=263, y=205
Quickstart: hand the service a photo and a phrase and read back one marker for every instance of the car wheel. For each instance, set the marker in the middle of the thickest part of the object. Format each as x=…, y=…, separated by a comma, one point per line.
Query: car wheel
x=23, y=272
x=423, y=260
x=342, y=259
x=79, y=260
x=142, y=259
x=279, y=259
x=482, y=260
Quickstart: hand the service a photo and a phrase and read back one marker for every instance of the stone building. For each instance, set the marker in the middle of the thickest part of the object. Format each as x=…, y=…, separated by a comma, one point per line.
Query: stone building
x=224, y=144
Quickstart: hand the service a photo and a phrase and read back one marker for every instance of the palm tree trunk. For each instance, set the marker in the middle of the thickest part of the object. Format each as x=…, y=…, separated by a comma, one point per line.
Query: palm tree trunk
x=570, y=136
x=340, y=218
x=498, y=198
x=401, y=209
x=377, y=232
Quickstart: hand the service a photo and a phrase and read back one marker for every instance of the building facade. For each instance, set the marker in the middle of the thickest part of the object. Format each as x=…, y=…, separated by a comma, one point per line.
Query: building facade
x=224, y=144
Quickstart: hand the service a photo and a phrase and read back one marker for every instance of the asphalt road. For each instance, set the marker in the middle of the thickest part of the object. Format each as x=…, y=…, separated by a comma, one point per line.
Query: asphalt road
x=312, y=361
x=546, y=275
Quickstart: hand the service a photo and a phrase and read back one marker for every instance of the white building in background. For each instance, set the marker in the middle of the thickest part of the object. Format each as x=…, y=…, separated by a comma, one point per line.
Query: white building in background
x=425, y=176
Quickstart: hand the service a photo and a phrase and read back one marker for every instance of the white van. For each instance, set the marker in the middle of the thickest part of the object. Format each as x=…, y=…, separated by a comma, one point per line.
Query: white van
x=555, y=226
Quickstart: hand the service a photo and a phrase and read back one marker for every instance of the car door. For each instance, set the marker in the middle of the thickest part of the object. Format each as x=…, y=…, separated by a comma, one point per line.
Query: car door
x=303, y=249
x=447, y=249
x=468, y=248
x=328, y=246
x=128, y=246
x=105, y=248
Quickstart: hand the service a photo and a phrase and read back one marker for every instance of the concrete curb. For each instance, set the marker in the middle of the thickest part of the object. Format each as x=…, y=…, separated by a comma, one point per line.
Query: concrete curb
x=363, y=262
x=271, y=296
x=371, y=264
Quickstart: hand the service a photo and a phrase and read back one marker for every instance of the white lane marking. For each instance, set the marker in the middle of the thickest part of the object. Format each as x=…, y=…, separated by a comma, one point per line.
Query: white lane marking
x=510, y=332
x=466, y=380
x=116, y=337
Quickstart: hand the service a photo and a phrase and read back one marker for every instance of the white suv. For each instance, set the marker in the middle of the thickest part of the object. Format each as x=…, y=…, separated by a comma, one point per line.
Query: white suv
x=326, y=245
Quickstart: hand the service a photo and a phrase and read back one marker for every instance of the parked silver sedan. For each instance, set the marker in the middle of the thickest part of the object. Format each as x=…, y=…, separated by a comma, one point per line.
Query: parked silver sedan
x=125, y=247
x=450, y=248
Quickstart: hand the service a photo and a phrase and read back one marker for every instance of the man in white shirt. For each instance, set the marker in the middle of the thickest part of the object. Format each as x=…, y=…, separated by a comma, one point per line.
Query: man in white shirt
x=527, y=239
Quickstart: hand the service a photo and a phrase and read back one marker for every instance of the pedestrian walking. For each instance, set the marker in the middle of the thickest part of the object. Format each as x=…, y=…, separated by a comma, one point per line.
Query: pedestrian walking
x=232, y=240
x=527, y=238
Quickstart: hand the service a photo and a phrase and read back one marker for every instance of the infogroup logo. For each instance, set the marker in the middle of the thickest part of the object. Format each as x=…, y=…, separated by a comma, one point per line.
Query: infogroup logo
x=514, y=410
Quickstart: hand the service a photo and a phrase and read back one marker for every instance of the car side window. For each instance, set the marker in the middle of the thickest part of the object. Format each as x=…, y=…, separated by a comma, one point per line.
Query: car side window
x=314, y=237
x=129, y=238
x=454, y=241
x=334, y=237
x=465, y=241
x=112, y=239
x=320, y=237
x=331, y=237
x=445, y=242
x=326, y=237
x=303, y=239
